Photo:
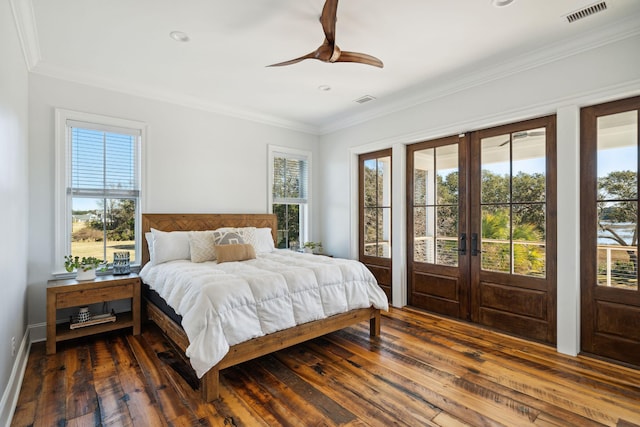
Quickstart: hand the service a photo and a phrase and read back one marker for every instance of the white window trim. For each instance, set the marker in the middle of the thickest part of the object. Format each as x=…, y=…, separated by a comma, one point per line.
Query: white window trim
x=62, y=226
x=273, y=150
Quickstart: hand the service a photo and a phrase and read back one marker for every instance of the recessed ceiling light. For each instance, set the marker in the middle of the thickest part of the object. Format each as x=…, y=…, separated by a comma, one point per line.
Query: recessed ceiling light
x=179, y=36
x=324, y=88
x=501, y=3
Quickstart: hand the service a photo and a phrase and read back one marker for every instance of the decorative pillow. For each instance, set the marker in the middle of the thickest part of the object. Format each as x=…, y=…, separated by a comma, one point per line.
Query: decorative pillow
x=170, y=246
x=201, y=246
x=248, y=234
x=263, y=241
x=238, y=252
x=227, y=237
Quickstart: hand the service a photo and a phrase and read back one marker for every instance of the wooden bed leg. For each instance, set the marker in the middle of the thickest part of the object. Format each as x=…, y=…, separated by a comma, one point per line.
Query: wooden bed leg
x=374, y=324
x=209, y=385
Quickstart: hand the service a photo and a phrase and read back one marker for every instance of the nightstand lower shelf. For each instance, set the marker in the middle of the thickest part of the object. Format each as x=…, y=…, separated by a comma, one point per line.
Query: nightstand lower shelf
x=64, y=332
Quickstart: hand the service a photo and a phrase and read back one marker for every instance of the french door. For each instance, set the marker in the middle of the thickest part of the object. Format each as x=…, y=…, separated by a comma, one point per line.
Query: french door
x=375, y=216
x=481, y=227
x=437, y=231
x=610, y=297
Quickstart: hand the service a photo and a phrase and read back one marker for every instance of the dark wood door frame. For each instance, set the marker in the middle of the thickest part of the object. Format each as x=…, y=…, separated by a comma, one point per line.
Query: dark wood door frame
x=610, y=317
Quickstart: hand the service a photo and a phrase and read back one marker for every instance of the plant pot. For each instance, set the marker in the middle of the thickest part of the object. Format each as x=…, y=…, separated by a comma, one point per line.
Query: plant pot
x=308, y=250
x=86, y=275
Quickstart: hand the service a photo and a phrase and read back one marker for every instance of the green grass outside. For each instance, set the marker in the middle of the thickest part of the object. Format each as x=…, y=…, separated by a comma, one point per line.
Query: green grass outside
x=96, y=249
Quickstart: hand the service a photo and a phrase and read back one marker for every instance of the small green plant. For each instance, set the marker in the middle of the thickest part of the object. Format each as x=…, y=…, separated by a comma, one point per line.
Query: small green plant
x=313, y=246
x=85, y=263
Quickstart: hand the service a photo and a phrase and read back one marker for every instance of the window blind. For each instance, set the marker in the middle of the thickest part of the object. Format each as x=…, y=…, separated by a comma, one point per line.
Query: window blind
x=290, y=178
x=103, y=163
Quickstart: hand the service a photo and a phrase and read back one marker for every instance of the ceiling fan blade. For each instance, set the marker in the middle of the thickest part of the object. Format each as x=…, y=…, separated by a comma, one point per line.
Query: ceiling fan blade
x=312, y=55
x=361, y=58
x=328, y=51
x=328, y=20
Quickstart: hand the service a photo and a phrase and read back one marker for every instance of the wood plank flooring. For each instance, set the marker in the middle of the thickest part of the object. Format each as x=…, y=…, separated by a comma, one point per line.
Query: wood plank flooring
x=424, y=370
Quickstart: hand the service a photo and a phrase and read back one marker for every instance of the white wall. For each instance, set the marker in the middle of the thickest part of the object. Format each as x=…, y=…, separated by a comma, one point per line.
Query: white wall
x=194, y=162
x=14, y=212
x=603, y=73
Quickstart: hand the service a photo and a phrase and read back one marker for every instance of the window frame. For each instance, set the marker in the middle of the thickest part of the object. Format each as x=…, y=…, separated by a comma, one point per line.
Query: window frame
x=62, y=242
x=305, y=208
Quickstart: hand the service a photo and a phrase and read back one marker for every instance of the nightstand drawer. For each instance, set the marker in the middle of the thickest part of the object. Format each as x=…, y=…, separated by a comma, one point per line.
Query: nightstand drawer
x=91, y=296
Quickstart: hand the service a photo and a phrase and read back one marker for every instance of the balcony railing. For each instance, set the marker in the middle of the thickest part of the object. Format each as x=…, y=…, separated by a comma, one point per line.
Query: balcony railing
x=617, y=266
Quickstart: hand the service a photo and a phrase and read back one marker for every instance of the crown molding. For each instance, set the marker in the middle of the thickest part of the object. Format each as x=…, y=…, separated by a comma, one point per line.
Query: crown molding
x=434, y=89
x=25, y=21
x=153, y=93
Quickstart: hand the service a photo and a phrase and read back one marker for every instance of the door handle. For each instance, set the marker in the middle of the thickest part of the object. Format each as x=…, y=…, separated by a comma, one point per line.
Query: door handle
x=462, y=247
x=474, y=244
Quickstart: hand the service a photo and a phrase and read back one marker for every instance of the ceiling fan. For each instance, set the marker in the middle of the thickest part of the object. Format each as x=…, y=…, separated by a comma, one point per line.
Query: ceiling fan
x=329, y=51
x=523, y=134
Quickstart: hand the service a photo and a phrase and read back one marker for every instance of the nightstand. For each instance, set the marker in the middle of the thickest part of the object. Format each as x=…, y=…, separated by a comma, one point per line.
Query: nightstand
x=72, y=293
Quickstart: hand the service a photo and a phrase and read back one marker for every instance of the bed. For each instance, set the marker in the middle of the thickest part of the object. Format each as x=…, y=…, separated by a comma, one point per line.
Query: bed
x=169, y=321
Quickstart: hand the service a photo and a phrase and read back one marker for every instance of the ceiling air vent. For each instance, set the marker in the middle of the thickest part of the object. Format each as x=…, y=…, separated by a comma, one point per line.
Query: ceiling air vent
x=586, y=11
x=364, y=99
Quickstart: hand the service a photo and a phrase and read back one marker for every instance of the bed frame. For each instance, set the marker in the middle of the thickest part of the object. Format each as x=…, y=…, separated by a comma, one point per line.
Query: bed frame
x=209, y=383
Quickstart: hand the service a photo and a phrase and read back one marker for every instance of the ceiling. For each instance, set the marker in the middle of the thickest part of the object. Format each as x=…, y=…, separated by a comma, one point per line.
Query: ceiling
x=426, y=46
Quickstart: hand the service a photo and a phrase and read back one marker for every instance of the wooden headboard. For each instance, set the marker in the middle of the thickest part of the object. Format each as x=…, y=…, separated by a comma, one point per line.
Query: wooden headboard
x=199, y=222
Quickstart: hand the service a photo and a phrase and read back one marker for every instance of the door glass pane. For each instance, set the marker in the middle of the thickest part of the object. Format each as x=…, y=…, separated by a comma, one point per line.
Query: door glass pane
x=447, y=238
x=447, y=175
x=529, y=166
x=370, y=231
x=423, y=170
x=514, y=187
x=617, y=245
x=370, y=182
x=423, y=236
x=377, y=211
x=384, y=233
x=529, y=239
x=617, y=220
x=436, y=198
x=496, y=170
x=384, y=181
x=496, y=231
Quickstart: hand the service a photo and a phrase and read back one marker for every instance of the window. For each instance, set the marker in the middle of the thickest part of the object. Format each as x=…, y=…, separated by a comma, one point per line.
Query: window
x=375, y=200
x=98, y=186
x=290, y=188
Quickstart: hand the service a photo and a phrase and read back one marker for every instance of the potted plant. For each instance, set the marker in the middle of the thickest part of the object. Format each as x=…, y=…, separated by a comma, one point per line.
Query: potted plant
x=86, y=266
x=313, y=247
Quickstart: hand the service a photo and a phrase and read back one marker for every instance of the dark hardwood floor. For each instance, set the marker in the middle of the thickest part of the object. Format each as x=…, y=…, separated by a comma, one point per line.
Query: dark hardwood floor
x=424, y=370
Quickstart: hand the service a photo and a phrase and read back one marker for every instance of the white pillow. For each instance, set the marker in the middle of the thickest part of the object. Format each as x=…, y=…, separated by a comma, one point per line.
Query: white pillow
x=201, y=246
x=264, y=240
x=149, y=237
x=170, y=246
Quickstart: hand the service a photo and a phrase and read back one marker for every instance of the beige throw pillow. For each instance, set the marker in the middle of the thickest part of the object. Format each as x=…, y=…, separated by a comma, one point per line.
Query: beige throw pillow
x=201, y=245
x=240, y=252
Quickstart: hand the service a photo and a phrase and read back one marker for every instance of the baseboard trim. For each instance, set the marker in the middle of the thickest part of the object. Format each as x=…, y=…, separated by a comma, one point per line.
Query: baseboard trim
x=37, y=332
x=12, y=391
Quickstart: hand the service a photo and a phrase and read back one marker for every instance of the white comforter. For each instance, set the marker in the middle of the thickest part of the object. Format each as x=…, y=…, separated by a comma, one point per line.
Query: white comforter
x=226, y=304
